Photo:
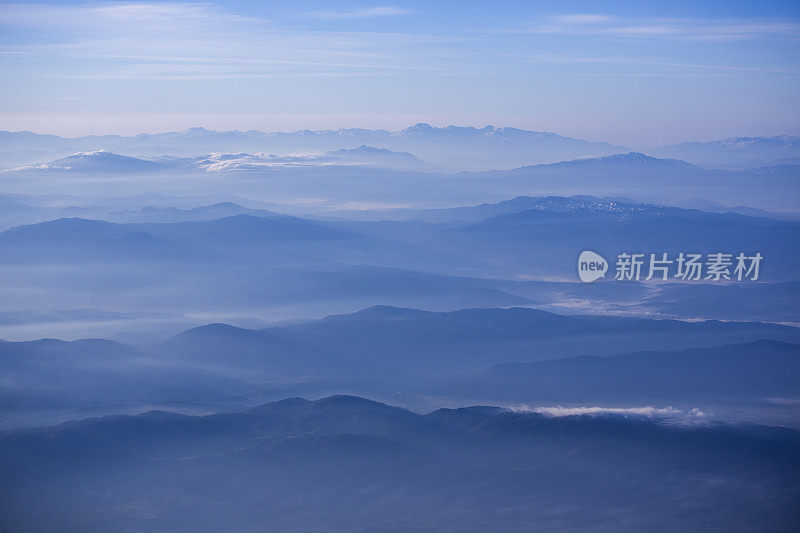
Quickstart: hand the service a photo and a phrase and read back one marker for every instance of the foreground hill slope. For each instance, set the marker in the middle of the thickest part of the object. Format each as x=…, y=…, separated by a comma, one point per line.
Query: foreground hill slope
x=344, y=462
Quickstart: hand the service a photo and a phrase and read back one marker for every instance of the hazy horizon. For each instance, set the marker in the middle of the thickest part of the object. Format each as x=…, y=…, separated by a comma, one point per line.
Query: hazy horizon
x=626, y=74
x=401, y=126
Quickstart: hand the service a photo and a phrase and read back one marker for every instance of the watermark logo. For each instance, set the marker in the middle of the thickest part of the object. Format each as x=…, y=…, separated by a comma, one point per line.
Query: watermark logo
x=591, y=266
x=718, y=266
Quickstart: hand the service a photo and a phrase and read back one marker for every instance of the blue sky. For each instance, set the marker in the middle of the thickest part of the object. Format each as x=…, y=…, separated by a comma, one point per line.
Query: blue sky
x=635, y=73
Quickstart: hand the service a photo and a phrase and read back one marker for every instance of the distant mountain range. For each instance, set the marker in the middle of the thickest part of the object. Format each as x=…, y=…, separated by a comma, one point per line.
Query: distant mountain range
x=633, y=166
x=702, y=204
x=379, y=176
x=632, y=161
x=449, y=147
x=512, y=238
x=573, y=204
x=750, y=151
x=229, y=239
x=103, y=161
x=98, y=161
x=609, y=227
x=196, y=214
x=363, y=155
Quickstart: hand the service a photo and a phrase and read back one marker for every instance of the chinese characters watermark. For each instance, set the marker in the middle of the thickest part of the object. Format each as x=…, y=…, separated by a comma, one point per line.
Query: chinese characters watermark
x=717, y=266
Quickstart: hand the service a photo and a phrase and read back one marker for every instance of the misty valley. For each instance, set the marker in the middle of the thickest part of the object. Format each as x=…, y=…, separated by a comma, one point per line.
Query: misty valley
x=418, y=330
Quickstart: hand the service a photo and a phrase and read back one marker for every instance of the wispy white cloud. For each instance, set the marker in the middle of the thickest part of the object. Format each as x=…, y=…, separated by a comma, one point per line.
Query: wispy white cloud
x=369, y=12
x=675, y=28
x=203, y=41
x=184, y=61
x=646, y=412
x=784, y=401
x=668, y=64
x=134, y=16
x=653, y=67
x=583, y=19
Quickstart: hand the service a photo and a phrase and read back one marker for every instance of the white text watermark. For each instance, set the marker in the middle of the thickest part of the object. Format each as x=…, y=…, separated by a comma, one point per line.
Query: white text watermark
x=718, y=266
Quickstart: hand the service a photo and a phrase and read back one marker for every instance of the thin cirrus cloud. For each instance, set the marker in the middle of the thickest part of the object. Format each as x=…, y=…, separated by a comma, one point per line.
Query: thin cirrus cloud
x=370, y=12
x=142, y=16
x=677, y=28
x=583, y=19
x=670, y=64
x=125, y=41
